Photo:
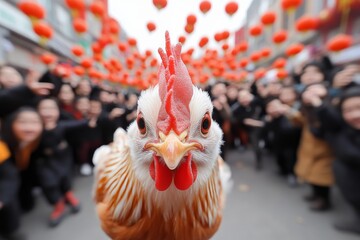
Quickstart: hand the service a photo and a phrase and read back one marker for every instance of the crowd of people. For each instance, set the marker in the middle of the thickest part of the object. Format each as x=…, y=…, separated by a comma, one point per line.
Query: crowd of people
x=51, y=126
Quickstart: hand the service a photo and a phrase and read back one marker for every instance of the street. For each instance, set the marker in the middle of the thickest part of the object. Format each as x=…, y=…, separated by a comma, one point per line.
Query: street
x=260, y=206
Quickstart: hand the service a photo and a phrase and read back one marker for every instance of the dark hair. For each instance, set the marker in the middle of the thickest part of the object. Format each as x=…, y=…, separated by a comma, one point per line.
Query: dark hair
x=78, y=98
x=48, y=98
x=349, y=93
x=319, y=66
x=7, y=131
x=270, y=99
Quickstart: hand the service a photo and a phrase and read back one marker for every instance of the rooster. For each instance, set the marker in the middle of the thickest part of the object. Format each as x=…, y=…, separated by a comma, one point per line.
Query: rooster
x=161, y=179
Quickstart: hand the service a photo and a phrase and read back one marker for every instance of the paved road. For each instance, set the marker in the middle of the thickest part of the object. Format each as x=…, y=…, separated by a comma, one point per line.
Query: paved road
x=260, y=206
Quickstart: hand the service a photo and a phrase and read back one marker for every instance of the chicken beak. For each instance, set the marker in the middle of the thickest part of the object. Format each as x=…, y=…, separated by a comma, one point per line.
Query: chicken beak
x=172, y=148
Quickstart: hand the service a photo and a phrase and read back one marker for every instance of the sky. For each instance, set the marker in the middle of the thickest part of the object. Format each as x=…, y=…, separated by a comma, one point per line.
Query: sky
x=133, y=15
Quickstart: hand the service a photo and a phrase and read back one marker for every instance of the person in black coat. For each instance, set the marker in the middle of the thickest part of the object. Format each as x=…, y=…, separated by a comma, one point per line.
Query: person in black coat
x=342, y=131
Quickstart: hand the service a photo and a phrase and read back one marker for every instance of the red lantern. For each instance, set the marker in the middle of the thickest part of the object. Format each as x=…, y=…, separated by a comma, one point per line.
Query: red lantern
x=265, y=52
x=113, y=26
x=151, y=26
x=306, y=23
x=294, y=49
x=243, y=62
x=218, y=37
x=243, y=46
x=191, y=19
x=48, y=58
x=280, y=37
x=160, y=4
x=132, y=42
x=225, y=35
x=77, y=50
x=182, y=39
x=78, y=70
x=97, y=57
x=225, y=46
x=203, y=41
x=290, y=5
x=255, y=56
x=32, y=9
x=281, y=74
x=259, y=73
x=231, y=8
x=154, y=62
x=80, y=25
x=339, y=42
x=43, y=30
x=86, y=63
x=96, y=48
x=205, y=6
x=189, y=28
x=122, y=46
x=76, y=6
x=279, y=63
x=268, y=18
x=256, y=30
x=97, y=8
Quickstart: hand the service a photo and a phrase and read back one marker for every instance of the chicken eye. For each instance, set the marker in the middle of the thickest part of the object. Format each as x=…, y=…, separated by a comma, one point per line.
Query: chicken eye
x=141, y=124
x=205, y=124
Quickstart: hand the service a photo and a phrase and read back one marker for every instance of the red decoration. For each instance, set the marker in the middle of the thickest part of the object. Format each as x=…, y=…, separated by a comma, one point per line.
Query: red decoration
x=294, y=49
x=231, y=8
x=266, y=52
x=160, y=4
x=259, y=73
x=243, y=46
x=86, y=63
x=48, y=58
x=256, y=30
x=132, y=42
x=255, y=56
x=225, y=46
x=78, y=70
x=279, y=63
x=282, y=73
x=76, y=6
x=290, y=5
x=151, y=26
x=280, y=37
x=191, y=19
x=218, y=37
x=77, y=50
x=43, y=30
x=122, y=46
x=79, y=25
x=243, y=62
x=182, y=39
x=225, y=35
x=189, y=28
x=205, y=6
x=339, y=42
x=96, y=48
x=203, y=41
x=114, y=27
x=97, y=8
x=268, y=18
x=306, y=23
x=32, y=9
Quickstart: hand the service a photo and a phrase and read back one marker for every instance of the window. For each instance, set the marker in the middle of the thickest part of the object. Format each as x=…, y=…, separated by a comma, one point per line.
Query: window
x=63, y=18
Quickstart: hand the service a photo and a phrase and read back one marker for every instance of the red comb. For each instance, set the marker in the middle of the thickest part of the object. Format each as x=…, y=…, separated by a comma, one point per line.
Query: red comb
x=175, y=90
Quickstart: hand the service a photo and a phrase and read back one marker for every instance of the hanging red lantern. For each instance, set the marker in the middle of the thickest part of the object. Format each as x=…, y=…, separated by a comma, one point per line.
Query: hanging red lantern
x=339, y=42
x=279, y=63
x=114, y=27
x=122, y=47
x=243, y=62
x=154, y=62
x=259, y=73
x=231, y=8
x=48, y=58
x=96, y=48
x=160, y=4
x=191, y=19
x=256, y=30
x=43, y=30
x=205, y=6
x=225, y=46
x=266, y=52
x=79, y=25
x=76, y=6
x=282, y=74
x=32, y=9
x=189, y=28
x=243, y=46
x=218, y=37
x=290, y=5
x=255, y=57
x=268, y=18
x=280, y=37
x=203, y=41
x=225, y=35
x=294, y=49
x=86, y=63
x=97, y=57
x=78, y=70
x=182, y=39
x=77, y=50
x=151, y=26
x=132, y=42
x=97, y=8
x=306, y=23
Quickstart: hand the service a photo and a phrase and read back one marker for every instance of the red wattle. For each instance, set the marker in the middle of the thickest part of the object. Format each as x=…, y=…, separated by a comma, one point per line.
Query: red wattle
x=163, y=175
x=185, y=174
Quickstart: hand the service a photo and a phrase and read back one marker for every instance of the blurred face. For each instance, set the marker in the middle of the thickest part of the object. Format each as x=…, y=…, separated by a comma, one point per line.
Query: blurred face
x=288, y=96
x=245, y=97
x=274, y=88
x=104, y=97
x=218, y=89
x=83, y=105
x=351, y=112
x=49, y=110
x=95, y=108
x=232, y=93
x=10, y=78
x=27, y=127
x=132, y=100
x=83, y=88
x=120, y=98
x=311, y=75
x=66, y=94
x=273, y=108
